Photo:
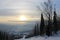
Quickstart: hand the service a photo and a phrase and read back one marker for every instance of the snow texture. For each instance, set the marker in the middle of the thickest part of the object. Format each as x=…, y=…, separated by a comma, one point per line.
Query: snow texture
x=54, y=37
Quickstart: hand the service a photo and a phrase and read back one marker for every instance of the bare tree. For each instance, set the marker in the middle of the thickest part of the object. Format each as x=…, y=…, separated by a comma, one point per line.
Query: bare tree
x=47, y=8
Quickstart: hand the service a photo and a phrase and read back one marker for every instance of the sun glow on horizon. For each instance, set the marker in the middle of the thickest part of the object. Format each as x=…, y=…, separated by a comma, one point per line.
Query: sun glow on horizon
x=22, y=18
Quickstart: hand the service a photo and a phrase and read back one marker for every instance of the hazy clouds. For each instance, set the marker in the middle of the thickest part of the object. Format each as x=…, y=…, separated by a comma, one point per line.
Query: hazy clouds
x=12, y=7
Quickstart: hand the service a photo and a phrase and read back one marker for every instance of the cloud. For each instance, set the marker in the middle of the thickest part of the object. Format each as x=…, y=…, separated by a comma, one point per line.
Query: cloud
x=12, y=7
x=15, y=12
x=7, y=12
x=13, y=4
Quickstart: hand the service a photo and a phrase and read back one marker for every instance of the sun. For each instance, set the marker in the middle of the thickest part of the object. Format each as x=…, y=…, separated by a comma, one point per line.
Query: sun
x=22, y=18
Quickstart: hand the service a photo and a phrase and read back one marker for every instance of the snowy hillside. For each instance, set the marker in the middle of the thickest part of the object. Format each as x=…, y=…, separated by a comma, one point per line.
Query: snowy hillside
x=55, y=37
x=41, y=38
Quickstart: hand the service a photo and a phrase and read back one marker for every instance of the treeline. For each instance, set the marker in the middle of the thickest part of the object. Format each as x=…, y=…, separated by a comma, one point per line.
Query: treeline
x=5, y=36
x=50, y=27
x=46, y=29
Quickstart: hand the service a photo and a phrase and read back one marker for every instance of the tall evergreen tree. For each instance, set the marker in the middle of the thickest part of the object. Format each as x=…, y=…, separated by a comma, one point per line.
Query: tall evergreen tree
x=55, y=22
x=42, y=25
x=49, y=27
x=47, y=10
x=36, y=30
x=4, y=36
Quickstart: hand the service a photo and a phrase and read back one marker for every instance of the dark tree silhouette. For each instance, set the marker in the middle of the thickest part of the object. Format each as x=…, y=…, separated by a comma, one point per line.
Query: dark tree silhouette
x=55, y=22
x=49, y=28
x=42, y=25
x=47, y=9
x=5, y=36
x=36, y=30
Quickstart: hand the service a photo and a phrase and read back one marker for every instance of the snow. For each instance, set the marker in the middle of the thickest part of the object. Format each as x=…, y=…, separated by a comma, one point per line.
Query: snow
x=54, y=37
x=42, y=38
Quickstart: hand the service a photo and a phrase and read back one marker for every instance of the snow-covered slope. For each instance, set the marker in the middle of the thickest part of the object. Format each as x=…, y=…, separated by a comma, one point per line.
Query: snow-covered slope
x=54, y=37
x=42, y=38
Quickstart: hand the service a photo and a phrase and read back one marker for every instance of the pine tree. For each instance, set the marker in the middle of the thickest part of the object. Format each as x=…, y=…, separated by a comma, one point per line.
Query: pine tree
x=55, y=22
x=0, y=35
x=34, y=33
x=49, y=27
x=4, y=36
x=36, y=30
x=42, y=25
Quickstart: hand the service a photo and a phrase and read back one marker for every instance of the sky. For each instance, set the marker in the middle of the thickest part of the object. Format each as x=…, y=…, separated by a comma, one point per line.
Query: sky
x=11, y=9
x=15, y=7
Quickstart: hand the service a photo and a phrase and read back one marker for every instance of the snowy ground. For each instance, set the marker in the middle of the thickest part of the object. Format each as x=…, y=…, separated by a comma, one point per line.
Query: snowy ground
x=42, y=38
x=55, y=37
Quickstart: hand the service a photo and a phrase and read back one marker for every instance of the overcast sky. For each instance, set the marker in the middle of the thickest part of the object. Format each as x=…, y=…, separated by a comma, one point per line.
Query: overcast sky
x=10, y=9
x=15, y=7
